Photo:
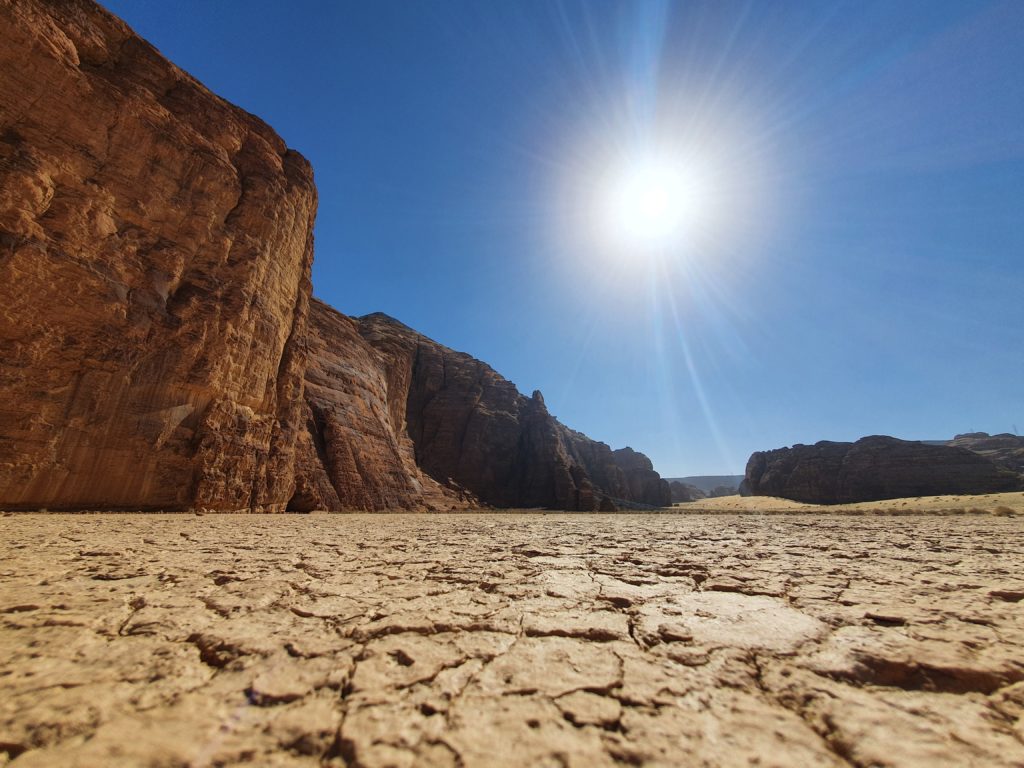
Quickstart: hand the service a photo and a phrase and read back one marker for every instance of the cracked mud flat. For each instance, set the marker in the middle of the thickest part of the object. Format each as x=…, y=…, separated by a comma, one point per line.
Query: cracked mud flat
x=511, y=640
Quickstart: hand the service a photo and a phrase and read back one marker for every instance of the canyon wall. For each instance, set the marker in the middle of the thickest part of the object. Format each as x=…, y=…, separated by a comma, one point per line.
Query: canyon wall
x=155, y=248
x=871, y=469
x=396, y=420
x=1003, y=450
x=355, y=452
x=156, y=350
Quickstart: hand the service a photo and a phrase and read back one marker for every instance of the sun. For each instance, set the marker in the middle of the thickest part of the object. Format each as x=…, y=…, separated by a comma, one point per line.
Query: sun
x=654, y=203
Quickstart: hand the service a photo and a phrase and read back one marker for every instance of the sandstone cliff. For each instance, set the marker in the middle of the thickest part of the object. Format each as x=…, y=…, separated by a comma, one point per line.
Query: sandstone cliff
x=355, y=452
x=1003, y=450
x=684, y=492
x=873, y=468
x=396, y=420
x=156, y=244
x=155, y=247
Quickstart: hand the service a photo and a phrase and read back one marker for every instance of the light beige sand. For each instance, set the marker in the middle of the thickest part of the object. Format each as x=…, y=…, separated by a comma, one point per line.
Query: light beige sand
x=511, y=640
x=989, y=503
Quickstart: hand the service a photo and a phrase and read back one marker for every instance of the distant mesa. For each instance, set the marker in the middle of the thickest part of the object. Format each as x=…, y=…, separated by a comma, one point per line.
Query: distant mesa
x=1004, y=450
x=695, y=487
x=876, y=468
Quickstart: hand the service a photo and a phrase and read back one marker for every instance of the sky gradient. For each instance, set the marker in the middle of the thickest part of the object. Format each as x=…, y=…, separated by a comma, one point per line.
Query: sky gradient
x=864, y=273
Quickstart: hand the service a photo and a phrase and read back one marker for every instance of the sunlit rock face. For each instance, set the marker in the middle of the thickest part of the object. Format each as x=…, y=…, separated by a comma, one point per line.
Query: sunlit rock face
x=871, y=469
x=156, y=244
x=396, y=420
x=155, y=247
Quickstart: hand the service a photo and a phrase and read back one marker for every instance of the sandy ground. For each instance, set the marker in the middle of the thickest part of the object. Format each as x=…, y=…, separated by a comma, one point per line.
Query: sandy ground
x=987, y=504
x=509, y=640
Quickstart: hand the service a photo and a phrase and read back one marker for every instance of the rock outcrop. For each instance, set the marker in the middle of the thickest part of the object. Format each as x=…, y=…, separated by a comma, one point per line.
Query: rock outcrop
x=1004, y=450
x=684, y=492
x=155, y=247
x=397, y=420
x=871, y=469
x=355, y=452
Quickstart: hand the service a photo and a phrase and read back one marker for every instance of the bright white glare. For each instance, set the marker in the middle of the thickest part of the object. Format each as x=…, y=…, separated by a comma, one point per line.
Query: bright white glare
x=654, y=203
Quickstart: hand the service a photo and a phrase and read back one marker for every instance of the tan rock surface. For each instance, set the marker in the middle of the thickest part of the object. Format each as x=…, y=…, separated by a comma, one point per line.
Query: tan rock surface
x=355, y=452
x=155, y=246
x=481, y=640
x=397, y=420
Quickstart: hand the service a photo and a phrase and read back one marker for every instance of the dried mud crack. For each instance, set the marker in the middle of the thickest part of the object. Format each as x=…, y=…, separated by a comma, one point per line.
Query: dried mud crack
x=479, y=640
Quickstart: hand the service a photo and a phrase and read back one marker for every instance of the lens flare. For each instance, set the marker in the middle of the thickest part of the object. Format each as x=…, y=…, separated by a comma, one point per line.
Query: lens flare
x=653, y=203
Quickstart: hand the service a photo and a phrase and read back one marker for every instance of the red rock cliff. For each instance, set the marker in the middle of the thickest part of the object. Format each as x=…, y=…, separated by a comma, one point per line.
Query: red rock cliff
x=398, y=420
x=355, y=452
x=155, y=248
x=155, y=245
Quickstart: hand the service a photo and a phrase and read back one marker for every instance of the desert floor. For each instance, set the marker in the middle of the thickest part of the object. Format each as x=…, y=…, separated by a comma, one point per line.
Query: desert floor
x=480, y=640
x=986, y=504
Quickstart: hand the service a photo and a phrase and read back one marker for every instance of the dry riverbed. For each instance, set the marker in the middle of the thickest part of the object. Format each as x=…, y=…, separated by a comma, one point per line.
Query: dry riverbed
x=481, y=640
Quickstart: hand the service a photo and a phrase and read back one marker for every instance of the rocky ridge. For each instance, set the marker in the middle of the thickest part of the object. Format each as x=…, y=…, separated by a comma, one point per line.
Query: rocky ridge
x=355, y=452
x=156, y=243
x=871, y=469
x=438, y=428
x=1003, y=450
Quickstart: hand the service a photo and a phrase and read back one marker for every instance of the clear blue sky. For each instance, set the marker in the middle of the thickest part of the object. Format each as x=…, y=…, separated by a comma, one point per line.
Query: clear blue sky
x=865, y=273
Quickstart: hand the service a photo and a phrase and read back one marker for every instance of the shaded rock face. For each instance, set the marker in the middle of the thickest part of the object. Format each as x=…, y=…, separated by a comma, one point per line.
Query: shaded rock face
x=682, y=492
x=355, y=452
x=155, y=247
x=397, y=420
x=871, y=469
x=1004, y=450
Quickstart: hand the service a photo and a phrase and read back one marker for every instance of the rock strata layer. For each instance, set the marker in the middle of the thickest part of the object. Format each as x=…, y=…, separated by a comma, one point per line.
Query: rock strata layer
x=413, y=424
x=871, y=469
x=355, y=452
x=1003, y=450
x=155, y=247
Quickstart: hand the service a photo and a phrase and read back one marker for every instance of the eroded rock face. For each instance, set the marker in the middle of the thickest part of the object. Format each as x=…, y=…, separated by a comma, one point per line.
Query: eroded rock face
x=871, y=469
x=683, y=492
x=155, y=247
x=1004, y=450
x=355, y=452
x=472, y=426
x=398, y=421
